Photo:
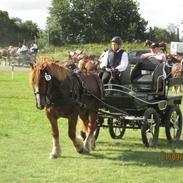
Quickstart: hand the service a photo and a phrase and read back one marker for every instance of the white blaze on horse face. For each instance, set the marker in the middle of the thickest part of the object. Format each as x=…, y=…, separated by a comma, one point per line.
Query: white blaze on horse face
x=37, y=96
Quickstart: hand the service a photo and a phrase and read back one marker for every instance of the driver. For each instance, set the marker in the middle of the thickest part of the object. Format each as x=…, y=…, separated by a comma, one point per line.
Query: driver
x=114, y=61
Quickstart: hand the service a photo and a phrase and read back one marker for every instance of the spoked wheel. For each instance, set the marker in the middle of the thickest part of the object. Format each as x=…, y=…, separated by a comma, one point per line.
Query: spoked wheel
x=173, y=123
x=97, y=130
x=117, y=128
x=150, y=128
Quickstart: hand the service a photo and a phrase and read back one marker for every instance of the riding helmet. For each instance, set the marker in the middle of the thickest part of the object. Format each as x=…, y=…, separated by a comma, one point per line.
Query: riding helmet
x=117, y=40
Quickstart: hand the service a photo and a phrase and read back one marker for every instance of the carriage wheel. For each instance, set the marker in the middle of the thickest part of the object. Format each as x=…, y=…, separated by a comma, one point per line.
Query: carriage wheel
x=173, y=123
x=150, y=128
x=116, y=128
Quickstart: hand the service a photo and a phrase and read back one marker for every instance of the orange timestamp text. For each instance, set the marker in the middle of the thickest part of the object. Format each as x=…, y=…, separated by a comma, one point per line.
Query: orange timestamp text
x=171, y=156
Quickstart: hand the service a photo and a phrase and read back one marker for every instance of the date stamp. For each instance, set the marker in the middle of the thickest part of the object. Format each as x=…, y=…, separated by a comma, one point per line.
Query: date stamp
x=171, y=157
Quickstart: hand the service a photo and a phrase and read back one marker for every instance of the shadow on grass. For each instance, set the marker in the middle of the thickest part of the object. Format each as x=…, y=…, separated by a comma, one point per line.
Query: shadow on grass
x=136, y=158
x=135, y=154
x=162, y=144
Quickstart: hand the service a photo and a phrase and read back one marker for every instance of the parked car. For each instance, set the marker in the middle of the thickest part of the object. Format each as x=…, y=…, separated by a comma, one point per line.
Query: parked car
x=134, y=55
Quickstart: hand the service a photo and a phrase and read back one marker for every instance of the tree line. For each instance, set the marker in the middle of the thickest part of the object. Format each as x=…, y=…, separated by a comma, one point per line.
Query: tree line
x=85, y=21
x=96, y=21
x=14, y=32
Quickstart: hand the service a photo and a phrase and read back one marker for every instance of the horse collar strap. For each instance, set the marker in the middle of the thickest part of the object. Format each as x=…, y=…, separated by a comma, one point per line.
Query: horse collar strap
x=47, y=76
x=82, y=83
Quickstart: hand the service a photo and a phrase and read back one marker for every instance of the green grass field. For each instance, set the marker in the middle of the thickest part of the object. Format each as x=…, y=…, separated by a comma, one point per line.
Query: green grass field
x=25, y=144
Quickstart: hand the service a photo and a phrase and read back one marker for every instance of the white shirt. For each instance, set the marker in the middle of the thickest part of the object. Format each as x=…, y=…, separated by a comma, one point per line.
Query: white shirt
x=123, y=63
x=35, y=46
x=159, y=56
x=23, y=48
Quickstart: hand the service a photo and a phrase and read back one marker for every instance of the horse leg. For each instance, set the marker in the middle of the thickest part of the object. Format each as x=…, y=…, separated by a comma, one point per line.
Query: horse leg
x=174, y=89
x=89, y=142
x=83, y=129
x=179, y=89
x=56, y=150
x=78, y=143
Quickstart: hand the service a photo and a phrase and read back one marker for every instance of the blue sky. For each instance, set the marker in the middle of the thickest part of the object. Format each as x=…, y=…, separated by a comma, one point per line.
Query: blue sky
x=159, y=13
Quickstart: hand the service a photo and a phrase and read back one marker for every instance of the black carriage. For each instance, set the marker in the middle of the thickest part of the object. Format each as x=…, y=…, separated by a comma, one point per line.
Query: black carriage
x=143, y=104
x=23, y=59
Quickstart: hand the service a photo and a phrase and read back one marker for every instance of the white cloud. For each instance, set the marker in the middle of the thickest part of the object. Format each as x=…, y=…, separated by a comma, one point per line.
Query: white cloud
x=35, y=10
x=161, y=12
x=157, y=12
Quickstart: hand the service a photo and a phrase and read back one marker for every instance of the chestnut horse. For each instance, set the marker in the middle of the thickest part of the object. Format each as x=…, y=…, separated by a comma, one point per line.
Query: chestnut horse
x=83, y=61
x=177, y=71
x=66, y=94
x=89, y=63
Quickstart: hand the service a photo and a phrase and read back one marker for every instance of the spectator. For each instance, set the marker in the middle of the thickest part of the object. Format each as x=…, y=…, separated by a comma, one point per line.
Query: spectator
x=34, y=48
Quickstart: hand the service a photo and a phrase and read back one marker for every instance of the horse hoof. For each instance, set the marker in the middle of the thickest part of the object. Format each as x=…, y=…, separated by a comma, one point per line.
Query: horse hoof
x=54, y=156
x=83, y=151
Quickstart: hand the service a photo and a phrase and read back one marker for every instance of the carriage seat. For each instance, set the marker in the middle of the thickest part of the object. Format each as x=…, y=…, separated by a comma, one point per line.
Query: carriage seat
x=124, y=76
x=150, y=82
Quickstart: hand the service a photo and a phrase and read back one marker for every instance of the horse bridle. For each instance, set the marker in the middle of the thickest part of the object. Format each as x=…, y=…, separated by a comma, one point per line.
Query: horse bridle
x=48, y=79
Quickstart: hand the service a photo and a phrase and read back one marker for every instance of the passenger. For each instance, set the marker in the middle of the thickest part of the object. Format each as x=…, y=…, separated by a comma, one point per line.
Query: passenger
x=114, y=61
x=152, y=59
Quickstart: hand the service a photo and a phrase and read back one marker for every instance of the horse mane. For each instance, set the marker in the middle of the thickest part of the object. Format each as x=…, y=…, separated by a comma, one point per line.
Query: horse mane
x=54, y=69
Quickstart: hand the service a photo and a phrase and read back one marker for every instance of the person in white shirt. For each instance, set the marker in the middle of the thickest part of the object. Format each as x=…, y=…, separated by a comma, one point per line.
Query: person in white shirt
x=114, y=61
x=34, y=48
x=22, y=49
x=152, y=59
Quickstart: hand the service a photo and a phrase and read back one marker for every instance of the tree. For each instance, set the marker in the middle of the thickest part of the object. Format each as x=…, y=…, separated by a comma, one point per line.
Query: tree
x=73, y=21
x=14, y=31
x=157, y=34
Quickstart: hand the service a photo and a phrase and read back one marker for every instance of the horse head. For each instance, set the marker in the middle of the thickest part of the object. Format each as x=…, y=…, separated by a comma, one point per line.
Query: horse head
x=42, y=80
x=163, y=46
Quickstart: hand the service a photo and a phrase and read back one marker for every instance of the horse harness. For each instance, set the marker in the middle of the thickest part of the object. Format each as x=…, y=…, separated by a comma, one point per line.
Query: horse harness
x=76, y=86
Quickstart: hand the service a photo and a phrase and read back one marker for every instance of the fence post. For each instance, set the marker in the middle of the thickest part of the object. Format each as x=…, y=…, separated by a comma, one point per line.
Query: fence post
x=12, y=71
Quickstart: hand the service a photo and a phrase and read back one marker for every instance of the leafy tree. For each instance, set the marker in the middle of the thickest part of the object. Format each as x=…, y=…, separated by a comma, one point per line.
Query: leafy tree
x=157, y=34
x=14, y=31
x=94, y=21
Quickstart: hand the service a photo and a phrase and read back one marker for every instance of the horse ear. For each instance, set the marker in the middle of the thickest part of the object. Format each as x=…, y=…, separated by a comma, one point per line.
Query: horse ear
x=32, y=66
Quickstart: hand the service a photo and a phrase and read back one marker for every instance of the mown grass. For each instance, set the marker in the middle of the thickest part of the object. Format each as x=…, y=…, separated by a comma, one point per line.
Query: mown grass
x=25, y=143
